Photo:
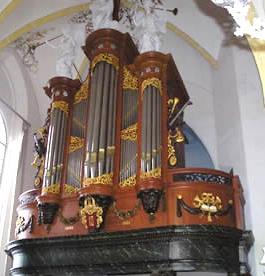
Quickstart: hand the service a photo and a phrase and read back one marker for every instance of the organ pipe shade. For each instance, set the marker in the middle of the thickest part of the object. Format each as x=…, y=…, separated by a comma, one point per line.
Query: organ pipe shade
x=128, y=164
x=77, y=138
x=55, y=148
x=151, y=129
x=100, y=136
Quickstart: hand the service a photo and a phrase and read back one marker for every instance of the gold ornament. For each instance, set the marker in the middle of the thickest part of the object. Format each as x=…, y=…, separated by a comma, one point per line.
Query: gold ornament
x=69, y=189
x=129, y=80
x=153, y=82
x=76, y=143
x=208, y=204
x=172, y=104
x=105, y=179
x=62, y=105
x=172, y=157
x=109, y=58
x=156, y=173
x=52, y=189
x=82, y=93
x=129, y=133
x=128, y=182
x=90, y=208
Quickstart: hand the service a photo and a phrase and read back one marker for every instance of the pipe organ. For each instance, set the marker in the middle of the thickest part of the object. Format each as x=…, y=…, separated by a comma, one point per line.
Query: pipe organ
x=114, y=156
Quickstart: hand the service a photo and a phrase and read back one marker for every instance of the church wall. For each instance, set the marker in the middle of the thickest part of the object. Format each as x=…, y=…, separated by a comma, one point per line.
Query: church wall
x=197, y=77
x=253, y=121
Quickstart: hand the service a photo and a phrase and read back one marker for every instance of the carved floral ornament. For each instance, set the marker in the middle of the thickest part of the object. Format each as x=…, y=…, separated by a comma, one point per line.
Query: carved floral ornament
x=129, y=133
x=129, y=80
x=76, y=143
x=105, y=57
x=155, y=82
x=82, y=93
x=156, y=173
x=104, y=179
x=62, y=105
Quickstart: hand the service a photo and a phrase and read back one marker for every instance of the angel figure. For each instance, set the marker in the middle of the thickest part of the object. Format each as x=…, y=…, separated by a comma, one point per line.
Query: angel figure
x=150, y=27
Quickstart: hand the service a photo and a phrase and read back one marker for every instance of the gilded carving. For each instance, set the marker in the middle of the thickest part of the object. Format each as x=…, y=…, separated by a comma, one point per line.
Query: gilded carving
x=105, y=179
x=69, y=189
x=90, y=210
x=62, y=105
x=76, y=143
x=153, y=82
x=129, y=133
x=208, y=204
x=22, y=225
x=82, y=93
x=52, y=189
x=172, y=104
x=156, y=173
x=109, y=58
x=172, y=157
x=129, y=80
x=128, y=182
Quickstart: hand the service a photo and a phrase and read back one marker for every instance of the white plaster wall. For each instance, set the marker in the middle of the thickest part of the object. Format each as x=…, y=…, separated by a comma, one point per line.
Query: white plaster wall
x=252, y=112
x=16, y=90
x=196, y=73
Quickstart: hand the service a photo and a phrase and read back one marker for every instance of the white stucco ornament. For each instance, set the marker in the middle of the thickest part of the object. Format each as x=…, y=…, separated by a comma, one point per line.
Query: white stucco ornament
x=150, y=27
x=262, y=262
x=239, y=10
x=102, y=15
x=72, y=39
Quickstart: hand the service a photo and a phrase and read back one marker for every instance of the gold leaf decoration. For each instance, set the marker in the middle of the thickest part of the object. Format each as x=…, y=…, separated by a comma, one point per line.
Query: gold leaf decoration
x=208, y=204
x=129, y=80
x=105, y=179
x=128, y=182
x=129, y=133
x=156, y=173
x=52, y=189
x=172, y=157
x=90, y=209
x=69, y=189
x=109, y=58
x=76, y=143
x=153, y=82
x=62, y=105
x=82, y=93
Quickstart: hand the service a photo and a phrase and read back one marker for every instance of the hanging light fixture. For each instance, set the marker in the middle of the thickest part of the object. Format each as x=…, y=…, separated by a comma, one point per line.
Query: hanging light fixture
x=240, y=11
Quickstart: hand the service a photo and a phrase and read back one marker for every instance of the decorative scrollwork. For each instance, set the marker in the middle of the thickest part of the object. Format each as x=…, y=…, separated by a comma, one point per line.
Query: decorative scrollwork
x=126, y=214
x=22, y=225
x=129, y=133
x=206, y=204
x=156, y=173
x=129, y=80
x=82, y=93
x=88, y=212
x=172, y=104
x=109, y=58
x=153, y=82
x=202, y=177
x=76, y=143
x=172, y=157
x=52, y=189
x=105, y=179
x=69, y=189
x=62, y=105
x=128, y=182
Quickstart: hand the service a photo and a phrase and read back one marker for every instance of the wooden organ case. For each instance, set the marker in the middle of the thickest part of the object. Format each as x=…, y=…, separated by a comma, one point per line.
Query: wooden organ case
x=113, y=161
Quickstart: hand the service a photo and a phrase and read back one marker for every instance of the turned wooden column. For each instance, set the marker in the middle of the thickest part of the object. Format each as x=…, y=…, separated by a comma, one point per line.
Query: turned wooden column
x=61, y=90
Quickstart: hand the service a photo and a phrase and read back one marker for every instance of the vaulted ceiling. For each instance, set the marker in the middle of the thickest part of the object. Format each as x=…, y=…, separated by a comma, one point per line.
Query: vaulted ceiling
x=199, y=23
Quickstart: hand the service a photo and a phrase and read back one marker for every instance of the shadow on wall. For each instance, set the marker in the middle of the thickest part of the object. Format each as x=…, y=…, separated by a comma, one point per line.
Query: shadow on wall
x=196, y=154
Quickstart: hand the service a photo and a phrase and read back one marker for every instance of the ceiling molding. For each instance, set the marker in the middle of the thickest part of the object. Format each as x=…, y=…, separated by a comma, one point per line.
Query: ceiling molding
x=194, y=44
x=9, y=9
x=78, y=8
x=40, y=22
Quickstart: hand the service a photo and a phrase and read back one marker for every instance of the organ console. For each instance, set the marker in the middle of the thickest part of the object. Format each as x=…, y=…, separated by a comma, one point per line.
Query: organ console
x=114, y=152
